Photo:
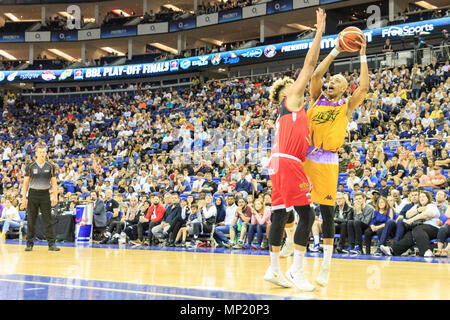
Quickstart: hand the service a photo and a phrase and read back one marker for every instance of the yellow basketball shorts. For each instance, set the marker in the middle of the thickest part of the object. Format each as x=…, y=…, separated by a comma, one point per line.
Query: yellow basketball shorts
x=322, y=168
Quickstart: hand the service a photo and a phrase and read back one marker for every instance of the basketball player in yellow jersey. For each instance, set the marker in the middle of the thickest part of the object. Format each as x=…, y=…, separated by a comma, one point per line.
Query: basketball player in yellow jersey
x=328, y=117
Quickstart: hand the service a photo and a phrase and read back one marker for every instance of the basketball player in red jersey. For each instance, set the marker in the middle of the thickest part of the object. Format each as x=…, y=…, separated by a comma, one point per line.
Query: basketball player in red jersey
x=290, y=185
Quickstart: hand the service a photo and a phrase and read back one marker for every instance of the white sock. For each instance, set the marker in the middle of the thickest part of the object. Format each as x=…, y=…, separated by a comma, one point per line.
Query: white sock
x=275, y=261
x=327, y=253
x=297, y=265
x=316, y=239
x=290, y=234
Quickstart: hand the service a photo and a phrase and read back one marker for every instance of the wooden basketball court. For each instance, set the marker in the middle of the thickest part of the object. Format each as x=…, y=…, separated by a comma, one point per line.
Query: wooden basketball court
x=120, y=272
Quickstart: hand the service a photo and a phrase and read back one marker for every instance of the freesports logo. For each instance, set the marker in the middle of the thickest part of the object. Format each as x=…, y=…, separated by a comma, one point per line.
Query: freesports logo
x=406, y=30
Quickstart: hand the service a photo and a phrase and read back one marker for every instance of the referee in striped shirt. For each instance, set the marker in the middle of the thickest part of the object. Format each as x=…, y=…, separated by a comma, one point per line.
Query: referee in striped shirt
x=39, y=182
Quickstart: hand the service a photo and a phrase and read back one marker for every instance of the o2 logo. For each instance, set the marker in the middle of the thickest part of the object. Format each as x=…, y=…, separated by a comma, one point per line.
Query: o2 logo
x=74, y=21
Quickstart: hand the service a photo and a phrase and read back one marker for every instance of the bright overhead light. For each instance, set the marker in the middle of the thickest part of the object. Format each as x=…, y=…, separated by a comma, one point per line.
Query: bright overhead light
x=65, y=14
x=213, y=41
x=171, y=6
x=425, y=5
x=7, y=55
x=12, y=17
x=62, y=54
x=111, y=50
x=164, y=47
x=298, y=26
x=119, y=12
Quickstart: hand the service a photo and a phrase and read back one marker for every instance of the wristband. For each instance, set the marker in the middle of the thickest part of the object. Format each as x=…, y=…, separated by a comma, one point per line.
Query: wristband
x=334, y=52
x=363, y=59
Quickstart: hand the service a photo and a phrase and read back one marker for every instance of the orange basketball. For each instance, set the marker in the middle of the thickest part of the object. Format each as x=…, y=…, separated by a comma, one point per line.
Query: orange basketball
x=349, y=38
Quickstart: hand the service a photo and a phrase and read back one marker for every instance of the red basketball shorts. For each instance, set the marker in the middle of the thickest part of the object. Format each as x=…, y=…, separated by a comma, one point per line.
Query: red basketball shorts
x=290, y=186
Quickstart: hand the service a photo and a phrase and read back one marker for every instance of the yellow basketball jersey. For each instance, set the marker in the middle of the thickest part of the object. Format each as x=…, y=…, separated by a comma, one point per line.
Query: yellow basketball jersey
x=328, y=123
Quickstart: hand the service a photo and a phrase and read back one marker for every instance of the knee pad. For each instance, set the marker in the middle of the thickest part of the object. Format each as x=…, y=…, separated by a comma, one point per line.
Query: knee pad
x=328, y=221
x=304, y=226
x=279, y=219
x=290, y=217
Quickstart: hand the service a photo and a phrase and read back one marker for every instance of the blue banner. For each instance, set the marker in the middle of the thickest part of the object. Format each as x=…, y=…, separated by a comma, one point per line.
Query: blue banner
x=12, y=37
x=71, y=35
x=230, y=15
x=278, y=6
x=248, y=56
x=123, y=31
x=184, y=24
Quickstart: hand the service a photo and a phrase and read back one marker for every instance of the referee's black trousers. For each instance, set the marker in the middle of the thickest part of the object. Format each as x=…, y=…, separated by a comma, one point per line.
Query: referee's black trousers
x=39, y=200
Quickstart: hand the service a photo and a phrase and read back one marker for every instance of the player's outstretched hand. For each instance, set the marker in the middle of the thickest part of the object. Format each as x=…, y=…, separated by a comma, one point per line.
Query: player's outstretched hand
x=363, y=44
x=321, y=17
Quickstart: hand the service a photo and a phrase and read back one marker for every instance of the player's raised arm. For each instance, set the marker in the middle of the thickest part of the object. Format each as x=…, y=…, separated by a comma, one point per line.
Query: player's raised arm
x=364, y=83
x=315, y=87
x=296, y=91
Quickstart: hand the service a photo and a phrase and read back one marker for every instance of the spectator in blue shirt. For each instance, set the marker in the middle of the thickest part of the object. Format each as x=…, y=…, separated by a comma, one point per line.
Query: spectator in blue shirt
x=369, y=179
x=243, y=184
x=382, y=213
x=84, y=193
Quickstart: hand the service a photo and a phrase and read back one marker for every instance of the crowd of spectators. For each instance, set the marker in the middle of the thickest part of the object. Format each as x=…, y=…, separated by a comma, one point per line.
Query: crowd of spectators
x=165, y=166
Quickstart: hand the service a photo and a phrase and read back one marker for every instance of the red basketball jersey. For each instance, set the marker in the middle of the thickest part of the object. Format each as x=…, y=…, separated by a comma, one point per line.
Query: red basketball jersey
x=292, y=132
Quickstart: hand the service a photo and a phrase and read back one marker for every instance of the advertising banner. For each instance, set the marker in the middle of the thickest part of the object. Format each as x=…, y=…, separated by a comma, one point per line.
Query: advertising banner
x=230, y=15
x=183, y=24
x=123, y=31
x=298, y=4
x=153, y=28
x=254, y=11
x=12, y=37
x=89, y=34
x=278, y=6
x=242, y=56
x=207, y=19
x=71, y=35
x=37, y=36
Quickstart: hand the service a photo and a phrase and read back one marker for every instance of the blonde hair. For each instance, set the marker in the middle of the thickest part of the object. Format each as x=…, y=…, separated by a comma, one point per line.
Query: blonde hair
x=277, y=87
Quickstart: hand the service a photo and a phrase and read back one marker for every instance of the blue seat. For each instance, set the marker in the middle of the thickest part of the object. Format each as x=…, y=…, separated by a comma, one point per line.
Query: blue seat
x=22, y=214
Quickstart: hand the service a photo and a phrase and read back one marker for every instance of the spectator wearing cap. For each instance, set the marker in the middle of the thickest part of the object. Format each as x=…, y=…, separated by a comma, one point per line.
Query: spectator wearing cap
x=374, y=196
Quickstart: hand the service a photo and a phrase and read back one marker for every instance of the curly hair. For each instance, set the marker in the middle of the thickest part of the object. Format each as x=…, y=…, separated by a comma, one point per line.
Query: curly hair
x=277, y=87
